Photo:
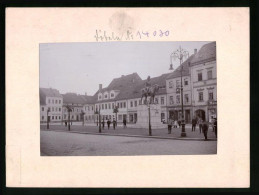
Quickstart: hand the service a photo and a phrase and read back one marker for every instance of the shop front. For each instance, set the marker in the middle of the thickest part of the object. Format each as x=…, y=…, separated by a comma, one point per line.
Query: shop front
x=212, y=110
x=176, y=114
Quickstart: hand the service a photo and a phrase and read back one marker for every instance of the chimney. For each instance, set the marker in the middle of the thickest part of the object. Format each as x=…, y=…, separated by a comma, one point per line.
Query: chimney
x=85, y=93
x=100, y=87
x=195, y=51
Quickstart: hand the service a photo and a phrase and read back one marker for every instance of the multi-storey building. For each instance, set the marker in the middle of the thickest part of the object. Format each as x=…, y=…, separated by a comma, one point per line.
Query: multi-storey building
x=116, y=94
x=76, y=103
x=199, y=83
x=50, y=99
x=204, y=82
x=173, y=87
x=89, y=109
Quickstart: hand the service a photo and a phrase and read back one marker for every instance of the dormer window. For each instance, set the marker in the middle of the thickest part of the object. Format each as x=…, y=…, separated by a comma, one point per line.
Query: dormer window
x=100, y=97
x=112, y=95
x=105, y=96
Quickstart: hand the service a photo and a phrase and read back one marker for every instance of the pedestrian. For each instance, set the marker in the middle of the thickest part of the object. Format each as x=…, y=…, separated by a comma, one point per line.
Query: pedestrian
x=65, y=123
x=103, y=123
x=114, y=124
x=194, y=122
x=169, y=126
x=200, y=124
x=108, y=123
x=179, y=123
x=215, y=127
x=175, y=124
x=204, y=129
x=124, y=123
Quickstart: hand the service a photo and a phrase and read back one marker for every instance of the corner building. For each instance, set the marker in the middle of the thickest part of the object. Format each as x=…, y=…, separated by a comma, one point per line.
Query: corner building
x=204, y=82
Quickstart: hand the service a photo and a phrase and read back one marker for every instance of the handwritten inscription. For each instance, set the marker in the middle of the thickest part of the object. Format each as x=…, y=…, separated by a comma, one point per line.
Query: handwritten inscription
x=102, y=35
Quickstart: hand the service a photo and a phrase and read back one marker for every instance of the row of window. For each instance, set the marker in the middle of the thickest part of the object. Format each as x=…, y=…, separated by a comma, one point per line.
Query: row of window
x=178, y=84
x=209, y=75
x=171, y=99
x=52, y=117
x=201, y=96
x=54, y=101
x=89, y=108
x=73, y=109
x=52, y=109
x=100, y=97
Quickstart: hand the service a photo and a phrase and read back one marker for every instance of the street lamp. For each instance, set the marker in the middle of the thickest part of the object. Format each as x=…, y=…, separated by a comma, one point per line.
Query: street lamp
x=48, y=118
x=180, y=54
x=100, y=122
x=96, y=112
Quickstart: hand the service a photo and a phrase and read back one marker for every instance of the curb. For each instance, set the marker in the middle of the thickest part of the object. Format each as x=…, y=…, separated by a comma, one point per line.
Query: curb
x=139, y=136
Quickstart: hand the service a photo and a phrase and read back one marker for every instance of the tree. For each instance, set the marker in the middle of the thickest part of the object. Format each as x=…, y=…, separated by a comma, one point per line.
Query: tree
x=69, y=109
x=116, y=110
x=82, y=116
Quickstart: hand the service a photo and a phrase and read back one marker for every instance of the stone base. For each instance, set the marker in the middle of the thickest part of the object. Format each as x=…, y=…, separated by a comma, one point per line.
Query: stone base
x=155, y=117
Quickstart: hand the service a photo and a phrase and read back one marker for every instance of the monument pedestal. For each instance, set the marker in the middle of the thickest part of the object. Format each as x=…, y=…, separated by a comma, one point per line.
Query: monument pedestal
x=155, y=117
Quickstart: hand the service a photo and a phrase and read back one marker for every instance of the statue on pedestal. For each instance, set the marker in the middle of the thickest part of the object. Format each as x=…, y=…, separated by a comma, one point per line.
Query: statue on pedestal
x=149, y=90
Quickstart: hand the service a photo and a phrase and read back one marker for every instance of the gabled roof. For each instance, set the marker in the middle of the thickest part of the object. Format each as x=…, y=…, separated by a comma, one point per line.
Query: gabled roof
x=135, y=91
x=205, y=54
x=48, y=92
x=73, y=98
x=124, y=84
x=121, y=82
x=185, y=65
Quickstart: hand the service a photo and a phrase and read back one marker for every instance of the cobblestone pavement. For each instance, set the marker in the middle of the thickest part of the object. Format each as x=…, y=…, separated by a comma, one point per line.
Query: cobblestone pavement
x=55, y=143
x=176, y=132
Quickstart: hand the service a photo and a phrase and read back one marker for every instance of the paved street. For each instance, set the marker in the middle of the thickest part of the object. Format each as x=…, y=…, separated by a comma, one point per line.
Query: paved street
x=176, y=132
x=54, y=143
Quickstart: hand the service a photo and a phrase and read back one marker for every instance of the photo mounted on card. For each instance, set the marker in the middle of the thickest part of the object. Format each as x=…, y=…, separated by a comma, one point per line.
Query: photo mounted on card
x=127, y=97
x=90, y=104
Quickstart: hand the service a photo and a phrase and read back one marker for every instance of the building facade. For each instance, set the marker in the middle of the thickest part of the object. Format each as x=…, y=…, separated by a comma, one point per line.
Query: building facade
x=204, y=82
x=199, y=81
x=51, y=102
x=180, y=77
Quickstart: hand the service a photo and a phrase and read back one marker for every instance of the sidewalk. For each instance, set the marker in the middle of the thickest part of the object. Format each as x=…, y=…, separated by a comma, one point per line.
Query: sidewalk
x=120, y=131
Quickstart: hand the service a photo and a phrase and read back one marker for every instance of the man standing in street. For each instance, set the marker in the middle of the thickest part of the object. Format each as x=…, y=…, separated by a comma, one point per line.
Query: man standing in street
x=103, y=123
x=215, y=127
x=170, y=126
x=108, y=123
x=194, y=122
x=204, y=129
x=124, y=123
x=200, y=124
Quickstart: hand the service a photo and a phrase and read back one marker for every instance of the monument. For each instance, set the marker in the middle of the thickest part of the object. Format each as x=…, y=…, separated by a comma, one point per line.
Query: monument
x=149, y=112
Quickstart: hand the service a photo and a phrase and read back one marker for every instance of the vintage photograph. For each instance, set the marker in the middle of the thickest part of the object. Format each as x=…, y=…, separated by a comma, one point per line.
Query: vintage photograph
x=128, y=98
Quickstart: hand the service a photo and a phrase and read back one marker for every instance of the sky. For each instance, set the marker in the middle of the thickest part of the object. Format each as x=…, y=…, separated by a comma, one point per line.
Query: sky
x=81, y=67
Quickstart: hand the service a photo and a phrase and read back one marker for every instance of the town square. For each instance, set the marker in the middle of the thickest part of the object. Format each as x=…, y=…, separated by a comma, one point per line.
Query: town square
x=167, y=114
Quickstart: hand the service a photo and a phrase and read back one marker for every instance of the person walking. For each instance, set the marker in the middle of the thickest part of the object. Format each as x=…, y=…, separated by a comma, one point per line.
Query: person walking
x=114, y=124
x=65, y=123
x=204, y=129
x=124, y=123
x=194, y=122
x=103, y=123
x=175, y=124
x=215, y=127
x=170, y=122
x=179, y=123
x=108, y=123
x=200, y=124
